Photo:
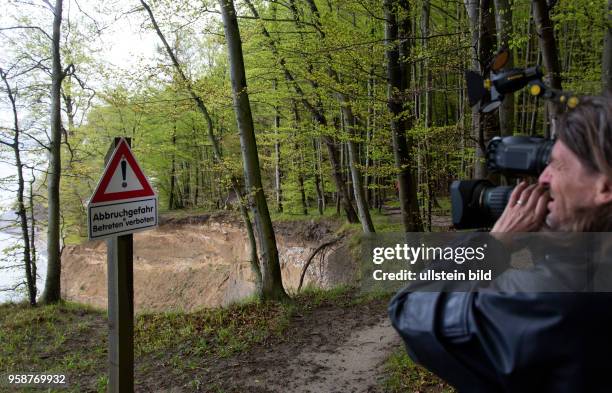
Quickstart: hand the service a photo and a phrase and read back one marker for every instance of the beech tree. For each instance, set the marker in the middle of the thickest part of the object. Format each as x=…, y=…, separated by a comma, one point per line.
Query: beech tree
x=503, y=24
x=272, y=285
x=52, y=291
x=397, y=35
x=550, y=56
x=217, y=154
x=349, y=119
x=482, y=28
x=319, y=116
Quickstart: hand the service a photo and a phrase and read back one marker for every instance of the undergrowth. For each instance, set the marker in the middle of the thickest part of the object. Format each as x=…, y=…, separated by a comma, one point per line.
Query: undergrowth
x=403, y=375
x=70, y=338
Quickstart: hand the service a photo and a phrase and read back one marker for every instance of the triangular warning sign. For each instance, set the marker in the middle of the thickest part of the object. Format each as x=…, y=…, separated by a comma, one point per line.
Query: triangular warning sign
x=122, y=179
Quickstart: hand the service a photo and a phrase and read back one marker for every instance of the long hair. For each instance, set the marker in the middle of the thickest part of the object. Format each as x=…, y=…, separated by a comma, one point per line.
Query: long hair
x=587, y=131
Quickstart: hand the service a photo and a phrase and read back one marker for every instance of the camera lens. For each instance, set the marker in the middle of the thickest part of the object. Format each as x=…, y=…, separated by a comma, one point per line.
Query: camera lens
x=464, y=202
x=494, y=200
x=477, y=203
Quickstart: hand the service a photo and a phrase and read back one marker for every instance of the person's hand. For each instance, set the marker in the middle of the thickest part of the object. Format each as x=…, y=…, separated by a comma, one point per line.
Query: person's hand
x=525, y=212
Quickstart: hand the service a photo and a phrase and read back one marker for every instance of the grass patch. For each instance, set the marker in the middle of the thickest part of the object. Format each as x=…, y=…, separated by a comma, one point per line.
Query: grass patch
x=311, y=296
x=394, y=202
x=383, y=223
x=403, y=375
x=66, y=338
x=217, y=332
x=374, y=295
x=445, y=205
x=71, y=338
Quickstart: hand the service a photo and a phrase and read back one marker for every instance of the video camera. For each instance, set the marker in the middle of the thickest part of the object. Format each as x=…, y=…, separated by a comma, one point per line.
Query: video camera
x=479, y=203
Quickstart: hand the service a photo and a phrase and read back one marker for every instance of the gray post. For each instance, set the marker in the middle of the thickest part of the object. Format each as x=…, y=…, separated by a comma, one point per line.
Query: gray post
x=120, y=309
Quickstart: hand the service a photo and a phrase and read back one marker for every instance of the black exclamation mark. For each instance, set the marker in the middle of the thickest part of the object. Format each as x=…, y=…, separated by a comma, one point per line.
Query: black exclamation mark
x=123, y=170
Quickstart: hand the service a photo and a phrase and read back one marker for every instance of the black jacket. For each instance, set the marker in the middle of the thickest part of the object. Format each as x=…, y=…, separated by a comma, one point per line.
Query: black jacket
x=502, y=339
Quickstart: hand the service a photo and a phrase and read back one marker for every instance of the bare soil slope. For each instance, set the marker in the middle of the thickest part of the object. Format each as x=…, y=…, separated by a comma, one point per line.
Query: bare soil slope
x=201, y=261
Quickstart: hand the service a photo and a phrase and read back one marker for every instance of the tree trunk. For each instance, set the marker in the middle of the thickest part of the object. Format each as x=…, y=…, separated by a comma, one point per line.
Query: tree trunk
x=360, y=198
x=370, y=129
x=426, y=73
x=277, y=151
x=526, y=97
x=320, y=162
x=30, y=269
x=317, y=175
x=349, y=121
x=319, y=117
x=52, y=291
x=32, y=237
x=472, y=8
x=186, y=175
x=341, y=188
x=550, y=57
x=199, y=155
x=172, y=198
x=503, y=24
x=217, y=152
x=272, y=286
x=482, y=28
x=70, y=107
x=302, y=191
x=398, y=74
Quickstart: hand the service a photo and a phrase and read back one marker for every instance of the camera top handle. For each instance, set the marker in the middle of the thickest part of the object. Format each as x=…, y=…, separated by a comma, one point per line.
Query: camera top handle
x=489, y=92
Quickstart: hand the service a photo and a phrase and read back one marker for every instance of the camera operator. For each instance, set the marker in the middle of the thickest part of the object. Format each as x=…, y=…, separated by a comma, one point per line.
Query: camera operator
x=574, y=191
x=506, y=340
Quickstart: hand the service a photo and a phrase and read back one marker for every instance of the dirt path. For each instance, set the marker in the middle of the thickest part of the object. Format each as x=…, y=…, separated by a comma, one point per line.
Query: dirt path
x=335, y=347
x=356, y=365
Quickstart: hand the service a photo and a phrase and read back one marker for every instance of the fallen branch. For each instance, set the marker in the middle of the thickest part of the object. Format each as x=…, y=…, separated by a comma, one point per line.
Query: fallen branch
x=311, y=257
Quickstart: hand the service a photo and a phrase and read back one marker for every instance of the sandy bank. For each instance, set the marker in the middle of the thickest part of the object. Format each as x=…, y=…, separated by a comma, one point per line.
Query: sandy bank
x=202, y=262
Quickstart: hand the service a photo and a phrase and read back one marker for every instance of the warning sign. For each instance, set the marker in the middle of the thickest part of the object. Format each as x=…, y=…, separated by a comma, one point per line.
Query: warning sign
x=124, y=201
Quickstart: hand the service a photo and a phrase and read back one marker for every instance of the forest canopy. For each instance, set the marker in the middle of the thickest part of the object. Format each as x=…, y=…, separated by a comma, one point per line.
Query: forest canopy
x=354, y=102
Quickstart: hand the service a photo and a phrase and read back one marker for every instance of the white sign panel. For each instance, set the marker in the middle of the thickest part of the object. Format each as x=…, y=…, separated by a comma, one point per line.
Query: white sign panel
x=121, y=218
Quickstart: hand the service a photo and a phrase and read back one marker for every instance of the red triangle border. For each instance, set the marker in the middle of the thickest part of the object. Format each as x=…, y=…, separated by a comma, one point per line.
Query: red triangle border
x=122, y=150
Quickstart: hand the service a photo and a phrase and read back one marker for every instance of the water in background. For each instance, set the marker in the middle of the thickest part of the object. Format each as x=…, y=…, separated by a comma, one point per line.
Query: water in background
x=9, y=238
x=10, y=277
